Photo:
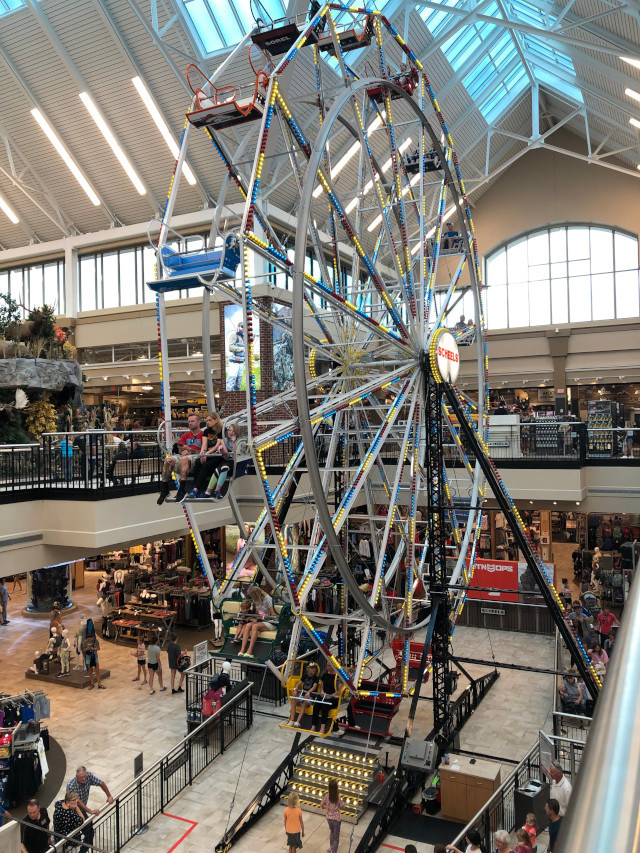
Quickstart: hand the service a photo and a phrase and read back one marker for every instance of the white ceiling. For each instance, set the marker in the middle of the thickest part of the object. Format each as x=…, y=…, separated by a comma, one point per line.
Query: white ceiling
x=51, y=50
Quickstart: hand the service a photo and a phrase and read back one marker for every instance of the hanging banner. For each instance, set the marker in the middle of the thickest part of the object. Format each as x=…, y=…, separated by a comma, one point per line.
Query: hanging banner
x=499, y=574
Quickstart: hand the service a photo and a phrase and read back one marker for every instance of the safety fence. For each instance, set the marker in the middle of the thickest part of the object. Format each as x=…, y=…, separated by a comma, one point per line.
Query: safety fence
x=96, y=464
x=145, y=798
x=266, y=686
x=507, y=616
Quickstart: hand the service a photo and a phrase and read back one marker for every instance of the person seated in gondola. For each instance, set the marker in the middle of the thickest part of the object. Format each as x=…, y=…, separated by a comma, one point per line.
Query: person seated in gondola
x=326, y=699
x=222, y=463
x=304, y=689
x=450, y=238
x=432, y=161
x=266, y=620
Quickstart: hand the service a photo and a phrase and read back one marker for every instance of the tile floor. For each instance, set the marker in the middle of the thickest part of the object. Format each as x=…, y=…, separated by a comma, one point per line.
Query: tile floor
x=105, y=730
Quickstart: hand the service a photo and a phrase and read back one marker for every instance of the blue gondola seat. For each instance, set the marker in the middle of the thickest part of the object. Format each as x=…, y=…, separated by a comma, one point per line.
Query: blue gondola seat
x=182, y=270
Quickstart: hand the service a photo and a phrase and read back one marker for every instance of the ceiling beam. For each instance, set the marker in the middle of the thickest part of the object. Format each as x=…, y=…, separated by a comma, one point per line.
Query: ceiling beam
x=625, y=108
x=127, y=54
x=28, y=91
x=477, y=56
x=455, y=25
x=37, y=11
x=58, y=217
x=537, y=31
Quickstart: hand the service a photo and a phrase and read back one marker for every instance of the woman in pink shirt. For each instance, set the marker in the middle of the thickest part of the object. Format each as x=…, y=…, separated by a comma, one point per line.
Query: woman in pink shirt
x=598, y=655
x=333, y=803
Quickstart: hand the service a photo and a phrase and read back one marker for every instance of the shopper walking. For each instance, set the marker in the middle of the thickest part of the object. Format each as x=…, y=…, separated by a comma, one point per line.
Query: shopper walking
x=90, y=649
x=17, y=579
x=4, y=600
x=155, y=665
x=141, y=656
x=332, y=803
x=293, y=823
x=173, y=653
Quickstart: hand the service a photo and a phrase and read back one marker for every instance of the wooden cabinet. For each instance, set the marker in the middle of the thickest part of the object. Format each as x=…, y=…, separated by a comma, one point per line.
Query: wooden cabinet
x=466, y=787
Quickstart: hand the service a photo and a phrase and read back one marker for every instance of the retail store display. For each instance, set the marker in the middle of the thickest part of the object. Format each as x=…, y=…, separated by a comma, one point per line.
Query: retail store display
x=603, y=416
x=23, y=744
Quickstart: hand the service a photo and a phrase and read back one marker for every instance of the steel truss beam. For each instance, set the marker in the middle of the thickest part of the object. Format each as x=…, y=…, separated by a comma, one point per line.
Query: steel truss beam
x=28, y=91
x=37, y=11
x=55, y=214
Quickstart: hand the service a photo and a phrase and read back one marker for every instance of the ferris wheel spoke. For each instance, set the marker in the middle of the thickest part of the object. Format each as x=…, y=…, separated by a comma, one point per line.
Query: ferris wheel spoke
x=393, y=504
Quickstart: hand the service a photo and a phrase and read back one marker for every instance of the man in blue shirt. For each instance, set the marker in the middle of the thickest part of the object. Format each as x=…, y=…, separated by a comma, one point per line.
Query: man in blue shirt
x=552, y=809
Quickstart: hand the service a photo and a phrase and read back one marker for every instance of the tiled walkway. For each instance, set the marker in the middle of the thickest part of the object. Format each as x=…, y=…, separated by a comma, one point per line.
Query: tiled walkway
x=106, y=729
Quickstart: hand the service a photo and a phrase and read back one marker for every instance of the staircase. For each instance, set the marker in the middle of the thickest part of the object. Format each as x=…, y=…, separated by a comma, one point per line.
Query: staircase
x=323, y=760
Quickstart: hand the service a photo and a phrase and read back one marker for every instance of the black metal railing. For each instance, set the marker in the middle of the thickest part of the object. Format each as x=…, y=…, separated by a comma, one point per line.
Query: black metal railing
x=150, y=793
x=389, y=809
x=564, y=443
x=507, y=616
x=266, y=686
x=500, y=810
x=95, y=464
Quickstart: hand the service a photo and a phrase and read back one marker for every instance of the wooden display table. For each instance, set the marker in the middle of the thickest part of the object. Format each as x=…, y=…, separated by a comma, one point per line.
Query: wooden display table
x=145, y=621
x=465, y=786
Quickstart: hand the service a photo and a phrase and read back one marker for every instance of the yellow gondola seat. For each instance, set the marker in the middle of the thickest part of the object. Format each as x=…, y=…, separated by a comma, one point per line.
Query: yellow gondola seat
x=295, y=676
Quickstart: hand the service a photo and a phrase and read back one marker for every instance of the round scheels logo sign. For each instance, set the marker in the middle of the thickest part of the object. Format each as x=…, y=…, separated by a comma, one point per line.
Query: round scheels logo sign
x=447, y=357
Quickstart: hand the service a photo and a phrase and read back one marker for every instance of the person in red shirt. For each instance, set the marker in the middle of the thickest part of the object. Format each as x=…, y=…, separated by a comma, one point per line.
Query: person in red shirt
x=606, y=620
x=189, y=446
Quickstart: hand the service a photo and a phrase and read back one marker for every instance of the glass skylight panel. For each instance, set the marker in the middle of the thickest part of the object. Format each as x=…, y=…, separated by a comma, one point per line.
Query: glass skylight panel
x=7, y=6
x=501, y=67
x=220, y=24
x=437, y=19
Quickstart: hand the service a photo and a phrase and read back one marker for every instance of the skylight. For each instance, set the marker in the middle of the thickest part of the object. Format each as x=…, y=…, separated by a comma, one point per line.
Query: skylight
x=7, y=6
x=497, y=75
x=220, y=24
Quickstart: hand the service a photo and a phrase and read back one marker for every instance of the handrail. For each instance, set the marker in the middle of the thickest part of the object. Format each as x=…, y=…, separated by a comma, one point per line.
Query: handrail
x=605, y=816
x=178, y=757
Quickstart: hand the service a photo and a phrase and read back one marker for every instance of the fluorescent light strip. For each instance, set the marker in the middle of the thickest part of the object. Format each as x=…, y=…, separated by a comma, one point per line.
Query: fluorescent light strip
x=634, y=62
x=352, y=151
x=105, y=130
x=385, y=168
x=634, y=122
x=160, y=123
x=9, y=212
x=62, y=151
x=632, y=94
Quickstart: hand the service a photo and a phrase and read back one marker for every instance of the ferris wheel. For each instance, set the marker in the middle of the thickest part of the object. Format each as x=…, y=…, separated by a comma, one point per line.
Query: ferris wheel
x=356, y=210
x=384, y=255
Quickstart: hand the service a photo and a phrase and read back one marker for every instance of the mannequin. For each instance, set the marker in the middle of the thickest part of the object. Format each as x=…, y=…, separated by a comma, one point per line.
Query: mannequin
x=37, y=666
x=65, y=654
x=105, y=605
x=81, y=634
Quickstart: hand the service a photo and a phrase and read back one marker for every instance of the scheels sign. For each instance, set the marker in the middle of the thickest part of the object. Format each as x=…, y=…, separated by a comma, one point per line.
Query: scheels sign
x=447, y=357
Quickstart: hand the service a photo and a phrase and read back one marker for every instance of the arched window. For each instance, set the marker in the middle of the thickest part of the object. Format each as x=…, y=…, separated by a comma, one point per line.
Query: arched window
x=564, y=274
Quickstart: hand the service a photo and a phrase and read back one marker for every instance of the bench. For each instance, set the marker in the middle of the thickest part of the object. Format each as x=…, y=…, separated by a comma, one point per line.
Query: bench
x=267, y=640
x=295, y=676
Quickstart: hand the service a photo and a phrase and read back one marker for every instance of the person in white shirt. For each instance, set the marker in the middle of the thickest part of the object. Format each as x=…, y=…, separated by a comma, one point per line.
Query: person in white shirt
x=561, y=787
